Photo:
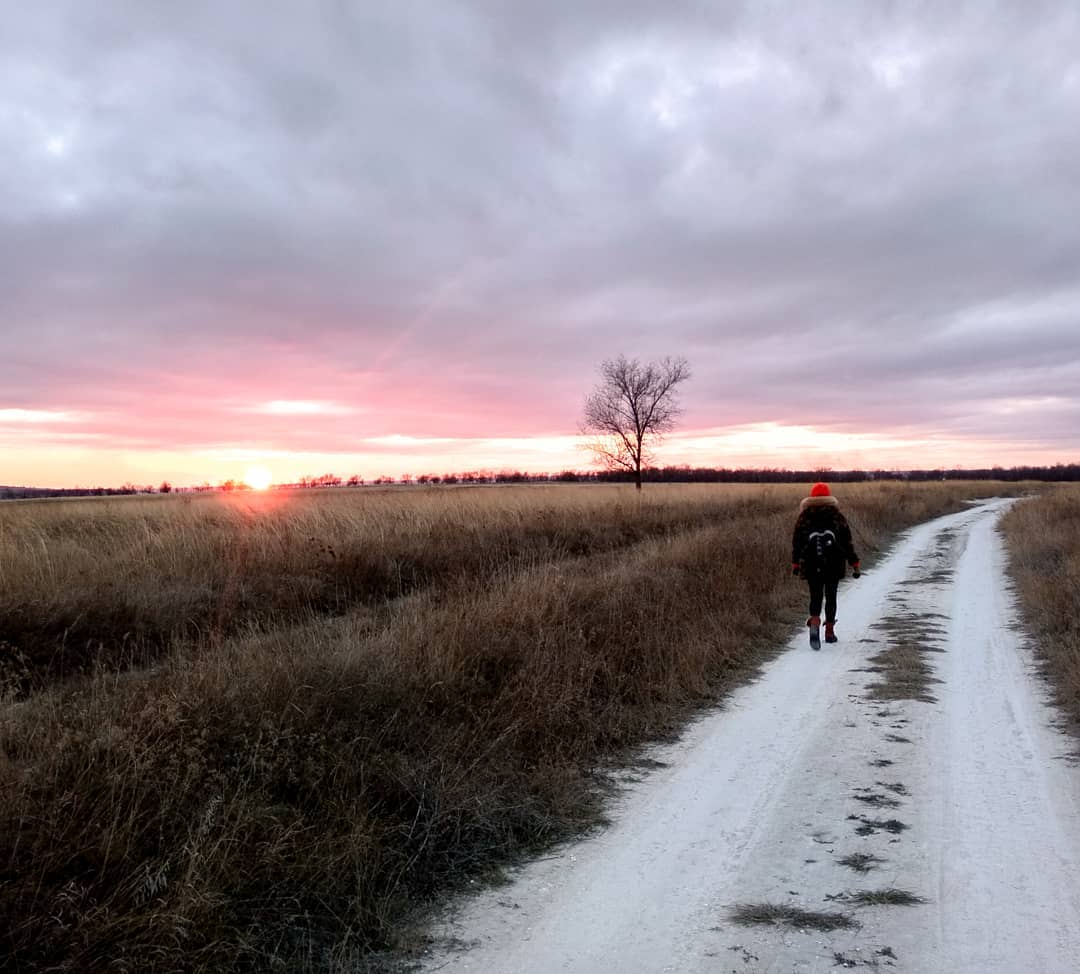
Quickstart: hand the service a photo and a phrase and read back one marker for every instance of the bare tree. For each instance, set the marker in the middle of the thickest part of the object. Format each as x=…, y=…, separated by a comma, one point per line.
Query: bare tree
x=631, y=409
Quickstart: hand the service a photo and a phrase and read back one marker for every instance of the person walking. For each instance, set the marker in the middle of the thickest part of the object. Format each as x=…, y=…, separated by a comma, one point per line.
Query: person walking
x=821, y=548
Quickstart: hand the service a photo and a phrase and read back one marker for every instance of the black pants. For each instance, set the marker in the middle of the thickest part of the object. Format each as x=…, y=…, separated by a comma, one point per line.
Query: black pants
x=823, y=585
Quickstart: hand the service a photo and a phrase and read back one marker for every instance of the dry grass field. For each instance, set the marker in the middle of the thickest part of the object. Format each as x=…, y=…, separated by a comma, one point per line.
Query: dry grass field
x=1043, y=536
x=258, y=732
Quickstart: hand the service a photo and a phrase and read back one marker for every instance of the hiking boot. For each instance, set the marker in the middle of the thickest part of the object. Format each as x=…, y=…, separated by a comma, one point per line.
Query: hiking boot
x=814, y=622
x=830, y=633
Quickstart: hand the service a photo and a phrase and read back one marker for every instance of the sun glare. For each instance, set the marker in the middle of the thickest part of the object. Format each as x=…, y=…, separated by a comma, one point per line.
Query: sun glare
x=258, y=478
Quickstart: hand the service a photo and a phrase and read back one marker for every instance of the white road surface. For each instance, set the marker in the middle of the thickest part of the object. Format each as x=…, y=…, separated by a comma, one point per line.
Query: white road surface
x=759, y=801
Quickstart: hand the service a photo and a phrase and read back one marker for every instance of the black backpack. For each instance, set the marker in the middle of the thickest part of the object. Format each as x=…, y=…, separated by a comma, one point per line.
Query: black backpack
x=821, y=552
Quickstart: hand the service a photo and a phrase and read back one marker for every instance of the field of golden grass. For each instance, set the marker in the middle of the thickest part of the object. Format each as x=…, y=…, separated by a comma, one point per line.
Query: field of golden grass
x=1043, y=536
x=260, y=732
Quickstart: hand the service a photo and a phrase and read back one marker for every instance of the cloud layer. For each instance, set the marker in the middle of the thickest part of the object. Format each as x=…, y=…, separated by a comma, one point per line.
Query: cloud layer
x=438, y=218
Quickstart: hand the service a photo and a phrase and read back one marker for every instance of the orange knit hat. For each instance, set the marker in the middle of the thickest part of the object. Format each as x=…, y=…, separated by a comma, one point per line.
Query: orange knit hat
x=820, y=490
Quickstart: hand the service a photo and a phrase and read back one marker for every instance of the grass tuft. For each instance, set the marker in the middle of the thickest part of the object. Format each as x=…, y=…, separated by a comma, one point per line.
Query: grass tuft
x=861, y=862
x=903, y=664
x=877, y=800
x=896, y=787
x=884, y=897
x=777, y=914
x=870, y=826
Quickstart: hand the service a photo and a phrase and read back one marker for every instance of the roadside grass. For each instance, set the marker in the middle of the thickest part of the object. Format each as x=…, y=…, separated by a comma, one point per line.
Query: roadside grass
x=781, y=914
x=311, y=760
x=1042, y=534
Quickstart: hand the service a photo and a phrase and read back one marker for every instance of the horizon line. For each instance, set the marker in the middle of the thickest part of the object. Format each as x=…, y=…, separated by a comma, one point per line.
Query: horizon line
x=569, y=475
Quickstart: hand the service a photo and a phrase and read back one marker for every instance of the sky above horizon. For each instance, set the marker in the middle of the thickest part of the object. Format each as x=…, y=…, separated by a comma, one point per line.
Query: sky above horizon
x=400, y=238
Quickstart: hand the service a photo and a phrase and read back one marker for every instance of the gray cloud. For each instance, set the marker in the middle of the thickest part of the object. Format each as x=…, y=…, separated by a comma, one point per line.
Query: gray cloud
x=850, y=216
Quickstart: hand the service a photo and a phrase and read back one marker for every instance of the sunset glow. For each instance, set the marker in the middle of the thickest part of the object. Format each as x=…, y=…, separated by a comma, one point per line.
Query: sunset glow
x=299, y=407
x=258, y=478
x=62, y=462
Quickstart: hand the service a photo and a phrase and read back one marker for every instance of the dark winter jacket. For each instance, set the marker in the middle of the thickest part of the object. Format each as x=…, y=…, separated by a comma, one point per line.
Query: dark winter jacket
x=823, y=514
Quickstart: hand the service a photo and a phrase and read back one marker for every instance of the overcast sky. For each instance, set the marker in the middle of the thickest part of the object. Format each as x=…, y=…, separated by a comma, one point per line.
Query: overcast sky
x=397, y=236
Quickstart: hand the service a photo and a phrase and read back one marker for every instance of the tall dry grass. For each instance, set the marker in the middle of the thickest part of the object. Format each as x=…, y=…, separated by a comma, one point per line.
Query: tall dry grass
x=1043, y=537
x=117, y=581
x=290, y=782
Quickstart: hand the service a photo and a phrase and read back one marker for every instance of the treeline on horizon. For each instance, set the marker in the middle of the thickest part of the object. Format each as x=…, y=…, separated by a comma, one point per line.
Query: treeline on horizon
x=659, y=475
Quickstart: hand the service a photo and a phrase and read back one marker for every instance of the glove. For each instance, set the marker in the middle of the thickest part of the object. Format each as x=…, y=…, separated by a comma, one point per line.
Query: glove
x=795, y=569
x=855, y=572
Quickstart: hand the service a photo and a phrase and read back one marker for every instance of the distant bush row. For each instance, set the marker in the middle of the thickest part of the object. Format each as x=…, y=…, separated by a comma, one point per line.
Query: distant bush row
x=1060, y=472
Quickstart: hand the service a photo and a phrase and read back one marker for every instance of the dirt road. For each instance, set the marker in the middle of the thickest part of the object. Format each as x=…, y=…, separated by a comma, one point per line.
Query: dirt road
x=966, y=799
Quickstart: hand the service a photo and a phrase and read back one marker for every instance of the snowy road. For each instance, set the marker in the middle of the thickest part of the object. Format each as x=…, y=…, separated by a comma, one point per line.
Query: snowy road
x=966, y=798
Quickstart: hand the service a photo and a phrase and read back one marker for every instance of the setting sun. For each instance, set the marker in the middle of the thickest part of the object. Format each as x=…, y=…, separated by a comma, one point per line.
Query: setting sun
x=258, y=478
